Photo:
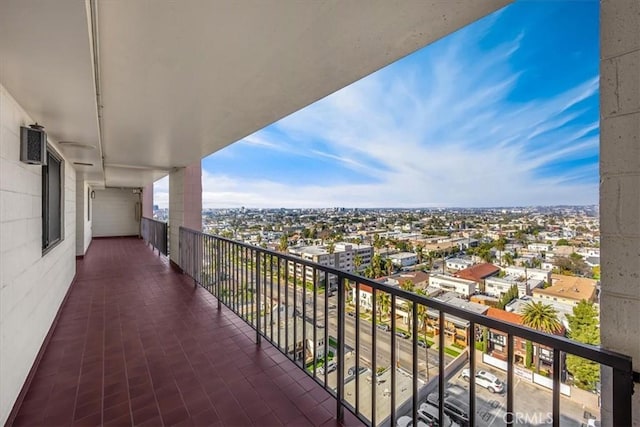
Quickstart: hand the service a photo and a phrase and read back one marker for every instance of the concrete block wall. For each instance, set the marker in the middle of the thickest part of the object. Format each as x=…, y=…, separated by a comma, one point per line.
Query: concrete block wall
x=620, y=185
x=115, y=213
x=32, y=285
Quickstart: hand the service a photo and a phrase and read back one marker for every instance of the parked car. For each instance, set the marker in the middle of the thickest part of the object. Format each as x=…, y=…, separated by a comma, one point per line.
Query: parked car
x=402, y=334
x=384, y=327
x=431, y=416
x=485, y=379
x=455, y=408
x=351, y=314
x=331, y=366
x=408, y=422
x=423, y=344
x=352, y=370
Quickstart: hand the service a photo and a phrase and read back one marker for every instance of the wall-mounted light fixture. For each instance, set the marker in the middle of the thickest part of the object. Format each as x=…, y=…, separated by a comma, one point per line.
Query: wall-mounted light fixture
x=93, y=194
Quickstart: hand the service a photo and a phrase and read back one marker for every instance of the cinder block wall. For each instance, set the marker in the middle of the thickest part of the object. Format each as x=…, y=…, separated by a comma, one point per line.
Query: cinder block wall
x=32, y=285
x=620, y=185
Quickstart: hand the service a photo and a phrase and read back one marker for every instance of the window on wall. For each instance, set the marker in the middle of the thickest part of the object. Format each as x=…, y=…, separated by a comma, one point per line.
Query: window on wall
x=52, y=191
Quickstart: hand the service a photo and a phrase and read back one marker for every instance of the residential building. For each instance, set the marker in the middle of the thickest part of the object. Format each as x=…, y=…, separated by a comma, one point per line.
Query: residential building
x=498, y=286
x=567, y=290
x=542, y=357
x=404, y=259
x=464, y=287
x=456, y=329
x=459, y=263
x=342, y=257
x=529, y=273
x=478, y=273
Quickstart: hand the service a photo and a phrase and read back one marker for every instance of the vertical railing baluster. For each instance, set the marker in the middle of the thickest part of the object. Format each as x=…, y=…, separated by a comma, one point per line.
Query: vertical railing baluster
x=394, y=358
x=271, y=337
x=374, y=363
x=279, y=299
x=472, y=374
x=509, y=415
x=622, y=389
x=257, y=298
x=326, y=328
x=414, y=368
x=441, y=373
x=556, y=388
x=218, y=271
x=315, y=312
x=341, y=339
x=287, y=311
x=356, y=367
x=295, y=311
x=304, y=316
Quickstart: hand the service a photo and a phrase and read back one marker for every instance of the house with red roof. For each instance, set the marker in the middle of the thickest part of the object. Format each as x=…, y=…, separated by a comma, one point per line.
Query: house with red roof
x=478, y=273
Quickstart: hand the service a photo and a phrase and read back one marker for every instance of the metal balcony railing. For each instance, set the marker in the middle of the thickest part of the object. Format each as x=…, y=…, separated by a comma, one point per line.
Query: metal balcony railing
x=156, y=233
x=352, y=342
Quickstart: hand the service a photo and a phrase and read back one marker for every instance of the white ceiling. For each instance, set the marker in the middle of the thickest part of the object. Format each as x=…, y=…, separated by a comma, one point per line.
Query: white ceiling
x=183, y=79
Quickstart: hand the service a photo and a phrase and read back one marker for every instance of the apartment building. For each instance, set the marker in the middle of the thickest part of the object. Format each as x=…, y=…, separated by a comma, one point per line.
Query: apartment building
x=464, y=287
x=567, y=290
x=342, y=257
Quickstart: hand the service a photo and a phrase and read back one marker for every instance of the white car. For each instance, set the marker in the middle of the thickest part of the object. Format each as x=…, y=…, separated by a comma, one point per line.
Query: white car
x=331, y=366
x=408, y=422
x=431, y=415
x=485, y=379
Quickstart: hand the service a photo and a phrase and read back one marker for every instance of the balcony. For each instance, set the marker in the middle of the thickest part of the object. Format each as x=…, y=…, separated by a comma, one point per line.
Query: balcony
x=136, y=344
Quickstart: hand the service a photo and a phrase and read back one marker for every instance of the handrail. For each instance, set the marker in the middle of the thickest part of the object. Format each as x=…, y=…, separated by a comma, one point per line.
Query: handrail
x=155, y=233
x=226, y=254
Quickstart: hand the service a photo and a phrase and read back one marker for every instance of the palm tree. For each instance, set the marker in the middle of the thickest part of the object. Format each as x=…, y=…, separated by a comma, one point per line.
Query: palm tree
x=376, y=263
x=541, y=316
x=419, y=253
x=284, y=243
x=383, y=301
x=357, y=262
x=423, y=318
x=388, y=264
x=331, y=248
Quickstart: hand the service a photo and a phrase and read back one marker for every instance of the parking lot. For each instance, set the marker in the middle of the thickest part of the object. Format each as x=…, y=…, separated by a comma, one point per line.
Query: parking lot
x=532, y=403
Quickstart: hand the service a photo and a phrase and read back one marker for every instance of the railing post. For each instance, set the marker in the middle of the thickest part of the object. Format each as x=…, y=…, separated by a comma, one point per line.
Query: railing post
x=622, y=388
x=257, y=286
x=218, y=274
x=341, y=364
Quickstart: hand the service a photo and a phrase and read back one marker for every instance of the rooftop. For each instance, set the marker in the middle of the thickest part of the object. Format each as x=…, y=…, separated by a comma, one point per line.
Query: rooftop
x=478, y=272
x=572, y=287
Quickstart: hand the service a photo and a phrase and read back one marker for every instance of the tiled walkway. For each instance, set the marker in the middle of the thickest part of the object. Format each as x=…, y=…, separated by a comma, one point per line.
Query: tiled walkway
x=136, y=344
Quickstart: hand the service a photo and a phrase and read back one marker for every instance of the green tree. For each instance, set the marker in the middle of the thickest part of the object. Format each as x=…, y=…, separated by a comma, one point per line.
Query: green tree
x=541, y=316
x=331, y=247
x=562, y=242
x=357, y=262
x=584, y=328
x=383, y=300
x=284, y=243
x=419, y=253
x=507, y=258
x=388, y=265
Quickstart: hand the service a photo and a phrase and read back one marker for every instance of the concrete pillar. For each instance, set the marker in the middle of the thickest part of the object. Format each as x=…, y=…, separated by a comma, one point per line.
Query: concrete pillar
x=147, y=201
x=620, y=186
x=185, y=204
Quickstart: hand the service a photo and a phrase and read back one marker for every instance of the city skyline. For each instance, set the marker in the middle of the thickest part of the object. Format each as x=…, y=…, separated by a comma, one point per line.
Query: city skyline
x=503, y=112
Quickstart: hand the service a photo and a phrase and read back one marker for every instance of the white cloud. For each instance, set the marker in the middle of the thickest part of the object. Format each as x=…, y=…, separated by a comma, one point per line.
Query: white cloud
x=445, y=133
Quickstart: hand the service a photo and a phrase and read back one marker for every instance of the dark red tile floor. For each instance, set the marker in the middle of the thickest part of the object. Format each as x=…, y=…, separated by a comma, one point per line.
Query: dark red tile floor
x=136, y=344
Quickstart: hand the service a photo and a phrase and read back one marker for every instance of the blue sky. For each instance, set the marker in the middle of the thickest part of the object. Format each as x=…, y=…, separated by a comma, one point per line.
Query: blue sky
x=501, y=113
